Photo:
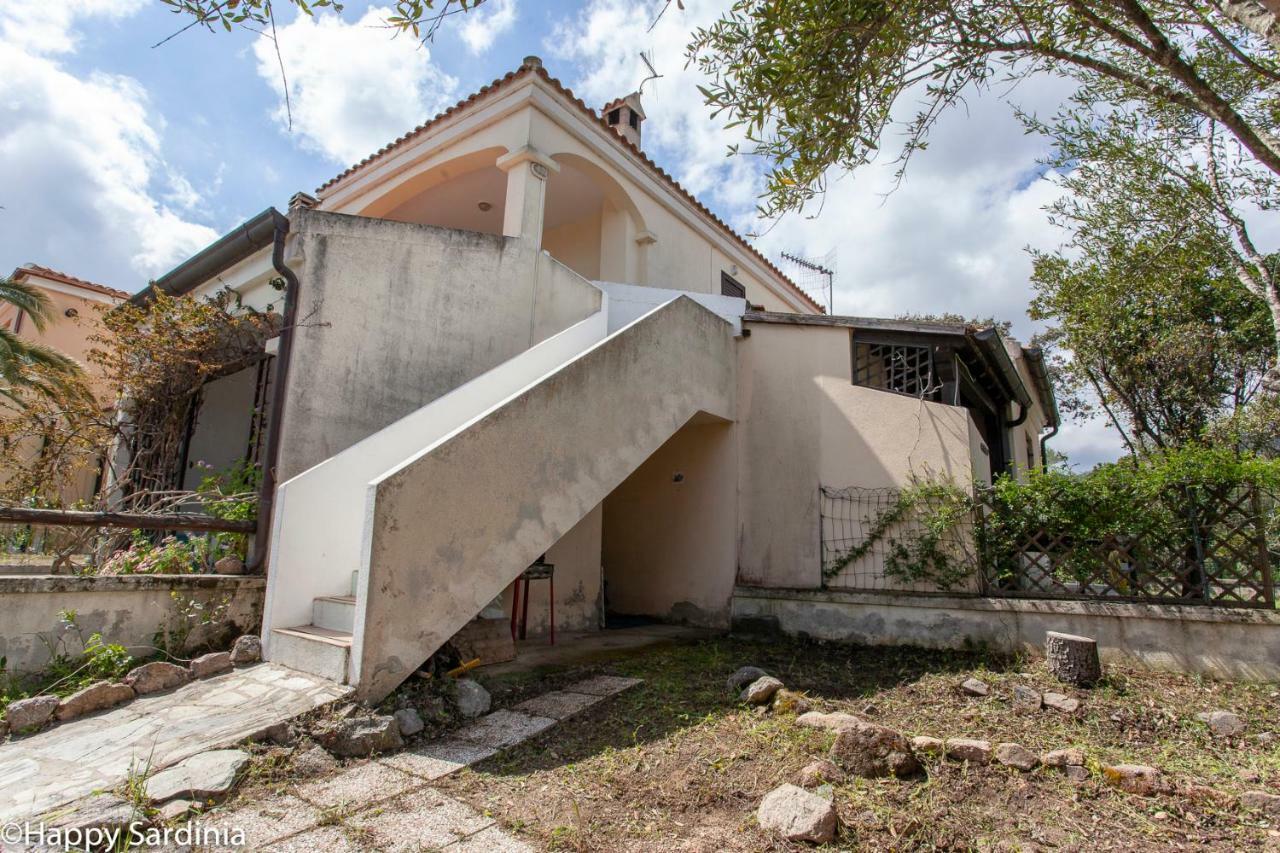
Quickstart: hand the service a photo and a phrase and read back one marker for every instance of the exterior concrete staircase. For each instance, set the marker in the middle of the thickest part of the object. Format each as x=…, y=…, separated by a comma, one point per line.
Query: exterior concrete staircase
x=440, y=511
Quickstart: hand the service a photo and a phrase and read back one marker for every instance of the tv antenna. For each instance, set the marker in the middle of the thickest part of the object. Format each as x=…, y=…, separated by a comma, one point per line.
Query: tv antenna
x=818, y=275
x=653, y=73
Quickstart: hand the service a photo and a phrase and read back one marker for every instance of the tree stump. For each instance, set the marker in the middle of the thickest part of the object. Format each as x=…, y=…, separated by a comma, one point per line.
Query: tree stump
x=1072, y=659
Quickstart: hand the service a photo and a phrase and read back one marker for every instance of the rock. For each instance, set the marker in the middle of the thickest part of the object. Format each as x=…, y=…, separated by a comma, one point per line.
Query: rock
x=872, y=750
x=27, y=715
x=1135, y=778
x=1026, y=699
x=974, y=687
x=95, y=697
x=1261, y=801
x=156, y=676
x=278, y=733
x=362, y=736
x=1076, y=773
x=100, y=811
x=174, y=810
x=314, y=762
x=1017, y=756
x=246, y=650
x=1072, y=659
x=928, y=745
x=229, y=566
x=790, y=702
x=1160, y=816
x=473, y=700
x=1204, y=794
x=208, y=635
x=1070, y=757
x=968, y=749
x=743, y=677
x=1265, y=738
x=820, y=772
x=4, y=729
x=1061, y=702
x=1222, y=723
x=214, y=663
x=837, y=721
x=798, y=815
x=760, y=691
x=205, y=776
x=409, y=721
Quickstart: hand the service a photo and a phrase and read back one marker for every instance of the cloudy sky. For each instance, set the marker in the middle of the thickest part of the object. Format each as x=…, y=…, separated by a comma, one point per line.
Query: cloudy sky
x=118, y=159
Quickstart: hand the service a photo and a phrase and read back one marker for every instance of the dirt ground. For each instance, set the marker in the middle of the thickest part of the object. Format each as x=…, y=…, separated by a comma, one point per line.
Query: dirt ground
x=680, y=764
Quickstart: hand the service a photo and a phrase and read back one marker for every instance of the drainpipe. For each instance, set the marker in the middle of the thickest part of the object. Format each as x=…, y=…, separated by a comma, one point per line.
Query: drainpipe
x=267, y=492
x=1023, y=409
x=1044, y=439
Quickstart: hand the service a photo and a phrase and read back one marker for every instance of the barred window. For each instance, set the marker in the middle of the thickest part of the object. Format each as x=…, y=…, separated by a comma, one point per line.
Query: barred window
x=904, y=368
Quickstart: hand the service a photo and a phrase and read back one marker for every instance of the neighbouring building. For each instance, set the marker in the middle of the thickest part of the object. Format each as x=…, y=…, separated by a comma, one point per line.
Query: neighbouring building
x=510, y=334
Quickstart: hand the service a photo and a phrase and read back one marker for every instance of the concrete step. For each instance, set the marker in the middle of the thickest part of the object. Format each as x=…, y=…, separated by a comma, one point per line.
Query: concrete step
x=335, y=612
x=310, y=648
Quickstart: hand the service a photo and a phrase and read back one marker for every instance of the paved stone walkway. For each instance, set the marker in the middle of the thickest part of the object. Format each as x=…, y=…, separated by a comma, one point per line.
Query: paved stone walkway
x=388, y=803
x=96, y=753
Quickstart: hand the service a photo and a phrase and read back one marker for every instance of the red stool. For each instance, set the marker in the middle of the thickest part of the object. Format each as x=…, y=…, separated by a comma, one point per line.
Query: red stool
x=539, y=570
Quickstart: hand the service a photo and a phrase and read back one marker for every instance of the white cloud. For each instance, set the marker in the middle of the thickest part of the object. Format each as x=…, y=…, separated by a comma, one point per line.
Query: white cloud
x=81, y=160
x=45, y=26
x=353, y=87
x=483, y=26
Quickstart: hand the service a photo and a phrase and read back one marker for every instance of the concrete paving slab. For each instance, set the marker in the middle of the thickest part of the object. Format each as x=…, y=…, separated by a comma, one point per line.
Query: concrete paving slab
x=502, y=729
x=558, y=704
x=604, y=685
x=95, y=753
x=265, y=820
x=437, y=758
x=423, y=820
x=330, y=839
x=491, y=840
x=356, y=787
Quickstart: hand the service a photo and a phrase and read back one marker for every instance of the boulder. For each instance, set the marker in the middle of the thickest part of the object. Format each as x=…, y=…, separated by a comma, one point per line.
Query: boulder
x=1261, y=801
x=362, y=736
x=820, y=772
x=214, y=663
x=790, y=702
x=872, y=750
x=837, y=721
x=27, y=715
x=1026, y=698
x=1017, y=756
x=1222, y=723
x=246, y=650
x=208, y=635
x=797, y=815
x=205, y=776
x=156, y=676
x=95, y=697
x=1136, y=778
x=974, y=687
x=473, y=700
x=968, y=749
x=1204, y=794
x=314, y=762
x=1069, y=757
x=1061, y=702
x=1072, y=659
x=928, y=745
x=229, y=566
x=1076, y=773
x=409, y=721
x=760, y=691
x=743, y=677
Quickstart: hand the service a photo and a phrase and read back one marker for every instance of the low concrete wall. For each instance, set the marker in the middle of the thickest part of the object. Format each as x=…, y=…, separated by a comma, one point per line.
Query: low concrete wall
x=128, y=610
x=1215, y=641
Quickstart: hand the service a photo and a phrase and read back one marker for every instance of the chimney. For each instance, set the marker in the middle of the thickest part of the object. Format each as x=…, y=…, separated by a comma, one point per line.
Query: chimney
x=625, y=115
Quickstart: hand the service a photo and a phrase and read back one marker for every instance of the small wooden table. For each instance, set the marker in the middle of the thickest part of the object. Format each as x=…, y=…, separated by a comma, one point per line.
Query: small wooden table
x=540, y=569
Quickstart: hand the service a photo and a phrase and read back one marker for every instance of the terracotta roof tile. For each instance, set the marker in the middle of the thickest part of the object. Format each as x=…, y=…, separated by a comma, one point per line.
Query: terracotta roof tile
x=54, y=275
x=525, y=70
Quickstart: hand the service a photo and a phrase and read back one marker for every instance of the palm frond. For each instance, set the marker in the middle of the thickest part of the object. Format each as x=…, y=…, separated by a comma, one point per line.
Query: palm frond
x=31, y=300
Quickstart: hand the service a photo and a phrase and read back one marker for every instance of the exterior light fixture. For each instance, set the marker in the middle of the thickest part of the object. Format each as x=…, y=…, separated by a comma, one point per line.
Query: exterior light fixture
x=485, y=206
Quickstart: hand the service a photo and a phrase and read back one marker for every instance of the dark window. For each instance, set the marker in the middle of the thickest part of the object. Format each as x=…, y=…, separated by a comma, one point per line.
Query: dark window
x=615, y=116
x=634, y=119
x=730, y=287
x=904, y=368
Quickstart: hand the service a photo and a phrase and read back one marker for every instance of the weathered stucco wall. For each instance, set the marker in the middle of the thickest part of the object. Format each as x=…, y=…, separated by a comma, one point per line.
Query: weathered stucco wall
x=576, y=557
x=393, y=315
x=1215, y=641
x=670, y=531
x=803, y=424
x=128, y=610
x=453, y=527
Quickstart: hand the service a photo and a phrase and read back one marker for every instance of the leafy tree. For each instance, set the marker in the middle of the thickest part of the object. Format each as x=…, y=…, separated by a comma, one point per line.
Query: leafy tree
x=815, y=84
x=422, y=18
x=27, y=367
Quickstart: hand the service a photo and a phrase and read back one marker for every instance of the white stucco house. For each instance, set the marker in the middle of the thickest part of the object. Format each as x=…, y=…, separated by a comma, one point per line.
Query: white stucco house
x=508, y=334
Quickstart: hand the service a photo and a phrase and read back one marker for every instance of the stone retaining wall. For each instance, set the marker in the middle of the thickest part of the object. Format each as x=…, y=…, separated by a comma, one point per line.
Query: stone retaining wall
x=127, y=609
x=1235, y=643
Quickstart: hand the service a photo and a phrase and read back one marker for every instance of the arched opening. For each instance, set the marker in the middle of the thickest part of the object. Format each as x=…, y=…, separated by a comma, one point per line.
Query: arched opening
x=467, y=192
x=590, y=223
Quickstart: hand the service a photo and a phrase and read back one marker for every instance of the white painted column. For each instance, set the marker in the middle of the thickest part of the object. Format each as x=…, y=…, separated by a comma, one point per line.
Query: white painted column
x=527, y=171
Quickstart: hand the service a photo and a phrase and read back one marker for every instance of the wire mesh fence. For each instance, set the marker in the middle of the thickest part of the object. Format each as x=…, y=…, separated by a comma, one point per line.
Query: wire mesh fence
x=1192, y=543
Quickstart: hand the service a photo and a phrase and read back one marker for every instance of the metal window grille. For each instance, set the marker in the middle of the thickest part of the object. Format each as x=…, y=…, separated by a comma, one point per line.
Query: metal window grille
x=904, y=368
